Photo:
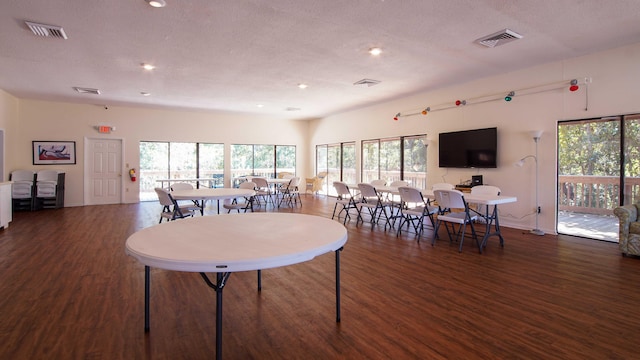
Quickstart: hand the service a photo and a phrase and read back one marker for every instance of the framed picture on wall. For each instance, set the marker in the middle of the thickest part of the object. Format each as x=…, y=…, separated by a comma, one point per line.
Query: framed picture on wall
x=54, y=152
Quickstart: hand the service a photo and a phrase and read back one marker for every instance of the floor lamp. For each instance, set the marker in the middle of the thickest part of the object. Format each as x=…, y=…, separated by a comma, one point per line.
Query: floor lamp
x=536, y=134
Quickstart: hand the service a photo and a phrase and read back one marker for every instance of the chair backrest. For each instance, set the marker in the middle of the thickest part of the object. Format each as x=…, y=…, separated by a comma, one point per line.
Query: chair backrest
x=379, y=182
x=322, y=175
x=409, y=194
x=260, y=182
x=485, y=190
x=163, y=197
x=22, y=187
x=442, y=186
x=247, y=185
x=367, y=191
x=450, y=199
x=181, y=186
x=342, y=189
x=294, y=183
x=398, y=183
x=21, y=175
x=46, y=183
x=47, y=175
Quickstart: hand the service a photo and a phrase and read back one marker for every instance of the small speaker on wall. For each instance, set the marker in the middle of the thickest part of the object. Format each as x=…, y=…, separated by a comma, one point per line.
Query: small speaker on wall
x=476, y=180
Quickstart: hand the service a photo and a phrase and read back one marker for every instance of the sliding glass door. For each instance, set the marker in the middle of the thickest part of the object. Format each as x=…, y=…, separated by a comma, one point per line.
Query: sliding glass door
x=333, y=164
x=176, y=160
x=339, y=161
x=261, y=160
x=631, y=160
x=391, y=159
x=598, y=169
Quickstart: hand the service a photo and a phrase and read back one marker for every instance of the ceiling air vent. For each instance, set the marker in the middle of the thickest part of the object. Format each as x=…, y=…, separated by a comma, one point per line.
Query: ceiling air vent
x=46, y=30
x=499, y=38
x=367, y=82
x=82, y=90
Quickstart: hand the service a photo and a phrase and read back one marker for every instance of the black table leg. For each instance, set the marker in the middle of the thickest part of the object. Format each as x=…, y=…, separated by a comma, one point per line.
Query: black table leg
x=492, y=219
x=259, y=280
x=338, y=284
x=221, y=279
x=147, y=279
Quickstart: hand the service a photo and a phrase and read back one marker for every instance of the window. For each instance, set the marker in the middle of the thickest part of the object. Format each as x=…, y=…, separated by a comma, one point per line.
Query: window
x=338, y=160
x=370, y=160
x=183, y=161
x=390, y=160
x=241, y=161
x=262, y=160
x=211, y=162
x=415, y=161
x=349, y=163
x=322, y=165
x=167, y=160
x=154, y=165
x=285, y=159
x=401, y=158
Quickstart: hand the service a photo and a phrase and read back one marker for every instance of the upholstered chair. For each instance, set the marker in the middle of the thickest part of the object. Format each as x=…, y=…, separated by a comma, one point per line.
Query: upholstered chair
x=629, y=228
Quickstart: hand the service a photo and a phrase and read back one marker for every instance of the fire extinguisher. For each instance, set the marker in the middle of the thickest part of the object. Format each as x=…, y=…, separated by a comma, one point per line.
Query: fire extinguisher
x=132, y=174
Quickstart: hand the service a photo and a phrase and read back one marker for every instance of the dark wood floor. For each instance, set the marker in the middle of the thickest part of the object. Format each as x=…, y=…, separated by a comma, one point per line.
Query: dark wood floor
x=69, y=291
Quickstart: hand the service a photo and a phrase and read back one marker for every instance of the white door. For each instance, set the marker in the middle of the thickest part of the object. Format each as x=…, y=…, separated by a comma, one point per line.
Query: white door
x=103, y=172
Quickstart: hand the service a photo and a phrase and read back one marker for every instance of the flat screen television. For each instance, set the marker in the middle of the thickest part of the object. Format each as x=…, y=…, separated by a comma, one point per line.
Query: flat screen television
x=476, y=148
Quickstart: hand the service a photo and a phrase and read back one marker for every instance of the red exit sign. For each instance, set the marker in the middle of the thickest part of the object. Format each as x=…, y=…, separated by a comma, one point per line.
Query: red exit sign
x=104, y=129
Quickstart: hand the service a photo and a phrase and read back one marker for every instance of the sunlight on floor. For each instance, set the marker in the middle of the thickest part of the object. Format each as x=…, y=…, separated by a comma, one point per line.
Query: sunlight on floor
x=588, y=225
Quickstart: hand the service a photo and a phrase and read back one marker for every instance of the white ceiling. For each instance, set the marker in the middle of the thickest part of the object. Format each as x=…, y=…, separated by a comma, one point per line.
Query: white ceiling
x=232, y=55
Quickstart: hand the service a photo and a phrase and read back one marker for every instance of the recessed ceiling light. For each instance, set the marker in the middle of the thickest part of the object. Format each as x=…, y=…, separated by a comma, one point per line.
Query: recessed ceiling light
x=144, y=93
x=260, y=105
x=157, y=3
x=148, y=66
x=376, y=51
x=302, y=86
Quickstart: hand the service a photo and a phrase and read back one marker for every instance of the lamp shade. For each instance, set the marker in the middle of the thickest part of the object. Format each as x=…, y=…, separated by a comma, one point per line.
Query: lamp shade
x=536, y=134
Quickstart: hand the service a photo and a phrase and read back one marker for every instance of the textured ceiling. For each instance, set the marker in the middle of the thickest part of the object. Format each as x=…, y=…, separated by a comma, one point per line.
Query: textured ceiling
x=233, y=55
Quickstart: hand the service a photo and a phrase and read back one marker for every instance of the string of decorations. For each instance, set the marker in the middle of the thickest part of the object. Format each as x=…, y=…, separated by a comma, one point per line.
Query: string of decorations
x=573, y=87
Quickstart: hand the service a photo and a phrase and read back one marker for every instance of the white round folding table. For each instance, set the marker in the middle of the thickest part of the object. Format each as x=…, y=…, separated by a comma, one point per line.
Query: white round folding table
x=235, y=242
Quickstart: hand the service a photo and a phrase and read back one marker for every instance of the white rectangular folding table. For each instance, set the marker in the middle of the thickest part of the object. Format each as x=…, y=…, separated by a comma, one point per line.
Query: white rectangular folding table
x=204, y=194
x=488, y=201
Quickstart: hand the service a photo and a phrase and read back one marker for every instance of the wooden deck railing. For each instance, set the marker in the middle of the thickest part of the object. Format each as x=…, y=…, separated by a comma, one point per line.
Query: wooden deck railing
x=595, y=194
x=149, y=179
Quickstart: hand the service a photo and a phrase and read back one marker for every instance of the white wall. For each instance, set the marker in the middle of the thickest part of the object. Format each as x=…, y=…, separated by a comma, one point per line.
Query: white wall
x=613, y=91
x=8, y=116
x=43, y=120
